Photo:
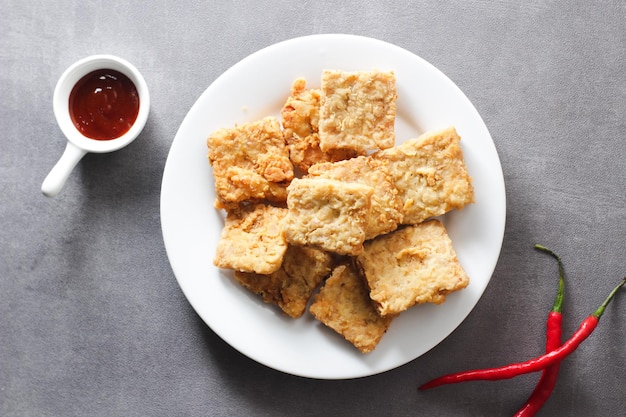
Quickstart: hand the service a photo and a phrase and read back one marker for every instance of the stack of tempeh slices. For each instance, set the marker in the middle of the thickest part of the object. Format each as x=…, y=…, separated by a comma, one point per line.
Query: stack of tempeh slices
x=326, y=200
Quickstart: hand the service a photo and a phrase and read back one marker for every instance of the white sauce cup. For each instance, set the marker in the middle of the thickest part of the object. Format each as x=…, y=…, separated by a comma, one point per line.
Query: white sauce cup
x=77, y=144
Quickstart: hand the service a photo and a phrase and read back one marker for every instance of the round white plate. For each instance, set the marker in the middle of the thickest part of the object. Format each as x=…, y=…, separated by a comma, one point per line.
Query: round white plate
x=257, y=87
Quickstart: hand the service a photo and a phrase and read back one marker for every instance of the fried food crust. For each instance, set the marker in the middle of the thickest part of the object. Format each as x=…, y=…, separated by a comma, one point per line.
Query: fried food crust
x=252, y=239
x=358, y=110
x=343, y=304
x=250, y=162
x=290, y=287
x=386, y=207
x=430, y=174
x=412, y=265
x=328, y=214
x=300, y=117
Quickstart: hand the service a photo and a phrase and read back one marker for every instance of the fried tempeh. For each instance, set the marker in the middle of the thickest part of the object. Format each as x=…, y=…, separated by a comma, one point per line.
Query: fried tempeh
x=290, y=287
x=358, y=110
x=386, y=207
x=344, y=305
x=430, y=175
x=328, y=214
x=300, y=117
x=252, y=240
x=250, y=162
x=412, y=265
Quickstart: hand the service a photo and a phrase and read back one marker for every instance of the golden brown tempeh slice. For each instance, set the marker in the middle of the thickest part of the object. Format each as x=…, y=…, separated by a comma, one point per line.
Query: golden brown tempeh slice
x=300, y=116
x=412, y=265
x=344, y=305
x=430, y=174
x=358, y=110
x=250, y=162
x=328, y=214
x=252, y=240
x=386, y=206
x=290, y=287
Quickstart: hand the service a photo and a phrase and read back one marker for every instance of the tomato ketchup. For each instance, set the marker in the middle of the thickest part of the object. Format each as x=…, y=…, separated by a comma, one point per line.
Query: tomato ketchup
x=104, y=104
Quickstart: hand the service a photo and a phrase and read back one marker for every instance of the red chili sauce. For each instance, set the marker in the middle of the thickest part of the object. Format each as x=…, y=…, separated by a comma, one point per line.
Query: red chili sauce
x=104, y=104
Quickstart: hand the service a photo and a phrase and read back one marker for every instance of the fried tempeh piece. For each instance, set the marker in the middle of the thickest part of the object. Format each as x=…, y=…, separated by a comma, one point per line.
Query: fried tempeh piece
x=344, y=305
x=300, y=117
x=250, y=162
x=328, y=214
x=386, y=206
x=252, y=239
x=413, y=265
x=430, y=174
x=358, y=110
x=290, y=287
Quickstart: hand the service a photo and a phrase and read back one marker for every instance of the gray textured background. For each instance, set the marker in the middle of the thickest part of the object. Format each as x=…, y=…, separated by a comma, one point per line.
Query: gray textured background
x=92, y=321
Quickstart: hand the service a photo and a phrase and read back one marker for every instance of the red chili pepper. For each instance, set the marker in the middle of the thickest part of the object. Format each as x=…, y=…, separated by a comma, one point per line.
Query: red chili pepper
x=533, y=365
x=549, y=375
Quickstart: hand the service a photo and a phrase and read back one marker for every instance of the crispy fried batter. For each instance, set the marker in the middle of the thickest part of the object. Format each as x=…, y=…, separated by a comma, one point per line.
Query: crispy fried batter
x=290, y=287
x=314, y=195
x=430, y=174
x=300, y=116
x=344, y=305
x=386, y=206
x=412, y=265
x=250, y=162
x=252, y=239
x=358, y=110
x=328, y=214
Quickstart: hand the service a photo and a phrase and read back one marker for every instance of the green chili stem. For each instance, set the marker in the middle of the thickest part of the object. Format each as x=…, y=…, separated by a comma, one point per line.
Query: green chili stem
x=558, y=301
x=598, y=313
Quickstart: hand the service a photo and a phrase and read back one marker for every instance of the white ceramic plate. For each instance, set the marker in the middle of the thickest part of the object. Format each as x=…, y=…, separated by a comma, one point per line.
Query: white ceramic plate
x=257, y=87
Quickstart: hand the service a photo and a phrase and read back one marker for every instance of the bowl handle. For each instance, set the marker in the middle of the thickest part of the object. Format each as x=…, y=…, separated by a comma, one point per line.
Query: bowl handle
x=55, y=180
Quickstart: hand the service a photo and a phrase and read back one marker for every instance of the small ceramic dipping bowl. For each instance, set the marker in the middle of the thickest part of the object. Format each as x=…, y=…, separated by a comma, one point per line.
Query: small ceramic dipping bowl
x=101, y=103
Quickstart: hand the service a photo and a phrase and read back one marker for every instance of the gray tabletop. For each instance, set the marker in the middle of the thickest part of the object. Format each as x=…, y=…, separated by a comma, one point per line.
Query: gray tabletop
x=92, y=321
